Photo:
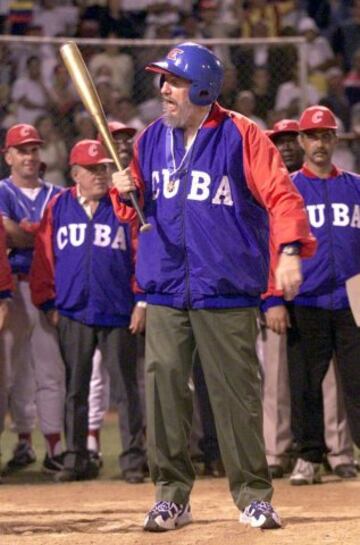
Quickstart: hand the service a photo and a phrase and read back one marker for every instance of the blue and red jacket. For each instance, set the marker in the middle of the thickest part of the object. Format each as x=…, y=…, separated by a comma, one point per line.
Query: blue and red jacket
x=333, y=207
x=85, y=267
x=209, y=244
x=6, y=285
x=15, y=205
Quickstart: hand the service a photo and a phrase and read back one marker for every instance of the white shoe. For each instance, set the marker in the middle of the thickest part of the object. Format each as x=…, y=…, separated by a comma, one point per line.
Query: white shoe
x=305, y=473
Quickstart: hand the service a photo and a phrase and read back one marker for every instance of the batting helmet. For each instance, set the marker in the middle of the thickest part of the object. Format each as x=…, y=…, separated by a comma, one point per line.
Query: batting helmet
x=317, y=117
x=196, y=64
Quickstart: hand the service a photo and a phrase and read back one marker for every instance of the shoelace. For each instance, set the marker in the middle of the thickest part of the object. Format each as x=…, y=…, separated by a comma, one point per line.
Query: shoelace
x=164, y=506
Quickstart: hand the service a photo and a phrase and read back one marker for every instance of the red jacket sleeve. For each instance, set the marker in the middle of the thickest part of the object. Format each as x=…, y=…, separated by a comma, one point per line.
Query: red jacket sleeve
x=270, y=183
x=6, y=284
x=42, y=280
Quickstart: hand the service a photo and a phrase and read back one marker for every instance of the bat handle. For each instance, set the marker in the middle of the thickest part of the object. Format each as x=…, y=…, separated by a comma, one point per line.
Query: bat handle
x=145, y=226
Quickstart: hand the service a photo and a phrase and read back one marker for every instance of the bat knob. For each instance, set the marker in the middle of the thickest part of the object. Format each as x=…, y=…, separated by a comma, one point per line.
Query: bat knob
x=145, y=227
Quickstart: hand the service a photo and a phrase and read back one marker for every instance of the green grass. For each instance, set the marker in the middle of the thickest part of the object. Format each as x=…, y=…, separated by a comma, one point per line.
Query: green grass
x=110, y=447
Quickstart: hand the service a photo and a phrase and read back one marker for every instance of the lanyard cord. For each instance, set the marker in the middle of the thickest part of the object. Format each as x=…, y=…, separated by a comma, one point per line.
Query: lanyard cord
x=176, y=170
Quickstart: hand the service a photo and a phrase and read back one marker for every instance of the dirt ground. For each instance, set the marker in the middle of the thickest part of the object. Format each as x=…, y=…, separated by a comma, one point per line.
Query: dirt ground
x=110, y=512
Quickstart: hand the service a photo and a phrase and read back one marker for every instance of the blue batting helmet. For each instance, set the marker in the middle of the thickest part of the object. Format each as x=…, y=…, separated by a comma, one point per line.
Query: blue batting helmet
x=196, y=64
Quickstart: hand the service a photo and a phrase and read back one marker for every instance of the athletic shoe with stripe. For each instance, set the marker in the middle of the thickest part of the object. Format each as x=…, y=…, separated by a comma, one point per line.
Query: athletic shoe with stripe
x=260, y=514
x=167, y=515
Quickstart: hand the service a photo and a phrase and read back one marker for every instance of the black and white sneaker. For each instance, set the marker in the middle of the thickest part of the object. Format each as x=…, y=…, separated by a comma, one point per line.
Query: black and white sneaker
x=260, y=514
x=53, y=464
x=23, y=455
x=167, y=515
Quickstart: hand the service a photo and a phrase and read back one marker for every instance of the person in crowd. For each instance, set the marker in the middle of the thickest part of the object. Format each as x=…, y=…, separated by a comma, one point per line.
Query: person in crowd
x=29, y=344
x=30, y=94
x=82, y=278
x=321, y=320
x=210, y=182
x=53, y=152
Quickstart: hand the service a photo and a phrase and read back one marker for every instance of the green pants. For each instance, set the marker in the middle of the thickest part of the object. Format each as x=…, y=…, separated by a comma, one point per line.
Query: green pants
x=225, y=339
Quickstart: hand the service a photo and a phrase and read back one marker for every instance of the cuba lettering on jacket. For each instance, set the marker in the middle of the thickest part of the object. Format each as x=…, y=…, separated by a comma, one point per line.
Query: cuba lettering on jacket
x=333, y=207
x=17, y=206
x=210, y=208
x=85, y=267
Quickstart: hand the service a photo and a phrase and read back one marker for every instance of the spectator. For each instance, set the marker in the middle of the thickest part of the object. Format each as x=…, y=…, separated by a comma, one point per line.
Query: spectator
x=30, y=94
x=352, y=80
x=56, y=19
x=126, y=111
x=289, y=93
x=346, y=37
x=336, y=98
x=318, y=52
x=120, y=64
x=84, y=127
x=245, y=105
x=264, y=17
x=230, y=86
x=263, y=91
x=53, y=152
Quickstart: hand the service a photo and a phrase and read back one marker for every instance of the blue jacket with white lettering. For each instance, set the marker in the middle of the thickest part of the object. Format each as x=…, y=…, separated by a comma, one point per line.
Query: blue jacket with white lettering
x=333, y=206
x=209, y=244
x=85, y=267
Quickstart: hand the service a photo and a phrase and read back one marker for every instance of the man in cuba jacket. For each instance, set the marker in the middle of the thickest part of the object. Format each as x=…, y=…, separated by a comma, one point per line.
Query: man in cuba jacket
x=83, y=278
x=210, y=181
x=321, y=320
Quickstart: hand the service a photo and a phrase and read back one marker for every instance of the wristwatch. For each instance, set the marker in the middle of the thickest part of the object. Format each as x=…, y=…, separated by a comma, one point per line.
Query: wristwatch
x=290, y=249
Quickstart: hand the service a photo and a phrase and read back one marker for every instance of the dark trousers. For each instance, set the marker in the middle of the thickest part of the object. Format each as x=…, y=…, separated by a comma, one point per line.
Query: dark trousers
x=315, y=335
x=118, y=348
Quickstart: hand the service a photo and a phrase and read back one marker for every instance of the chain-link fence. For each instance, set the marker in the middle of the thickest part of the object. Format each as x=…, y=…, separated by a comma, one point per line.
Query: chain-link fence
x=265, y=79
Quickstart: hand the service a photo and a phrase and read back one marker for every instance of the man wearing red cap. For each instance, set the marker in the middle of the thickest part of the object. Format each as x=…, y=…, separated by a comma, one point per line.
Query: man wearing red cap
x=321, y=320
x=276, y=396
x=30, y=345
x=82, y=278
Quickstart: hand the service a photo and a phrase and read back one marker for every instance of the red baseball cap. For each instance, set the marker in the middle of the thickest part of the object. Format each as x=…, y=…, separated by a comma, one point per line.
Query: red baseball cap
x=284, y=126
x=88, y=152
x=317, y=117
x=21, y=134
x=117, y=126
x=268, y=132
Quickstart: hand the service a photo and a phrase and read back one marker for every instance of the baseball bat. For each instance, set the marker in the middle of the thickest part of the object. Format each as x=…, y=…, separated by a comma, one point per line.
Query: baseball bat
x=85, y=86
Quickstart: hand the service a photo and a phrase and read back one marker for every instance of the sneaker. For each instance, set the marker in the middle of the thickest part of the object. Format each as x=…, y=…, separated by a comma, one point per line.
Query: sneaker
x=67, y=475
x=276, y=471
x=23, y=456
x=260, y=514
x=305, y=472
x=167, y=515
x=96, y=457
x=53, y=464
x=345, y=471
x=133, y=476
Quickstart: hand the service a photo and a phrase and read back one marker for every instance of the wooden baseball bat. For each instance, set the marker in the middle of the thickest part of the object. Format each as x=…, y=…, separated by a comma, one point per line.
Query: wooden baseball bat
x=85, y=86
